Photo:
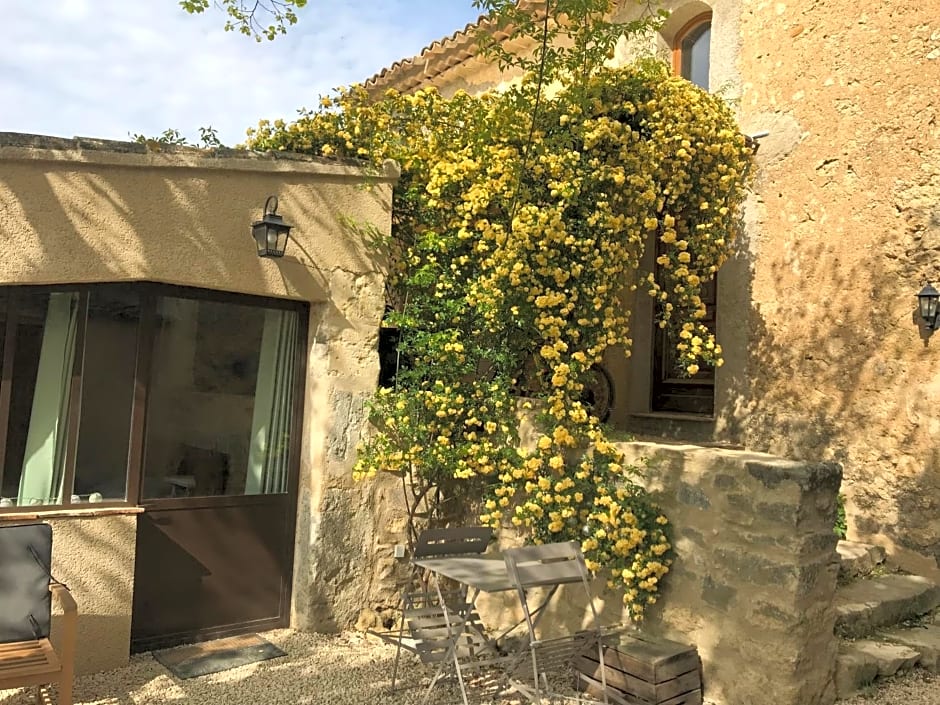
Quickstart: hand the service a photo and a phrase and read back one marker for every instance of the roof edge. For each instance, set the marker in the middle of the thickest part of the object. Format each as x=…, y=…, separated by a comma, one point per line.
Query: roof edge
x=19, y=146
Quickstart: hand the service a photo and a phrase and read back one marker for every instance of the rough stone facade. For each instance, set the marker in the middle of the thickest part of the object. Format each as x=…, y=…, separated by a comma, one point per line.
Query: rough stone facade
x=755, y=569
x=825, y=355
x=754, y=575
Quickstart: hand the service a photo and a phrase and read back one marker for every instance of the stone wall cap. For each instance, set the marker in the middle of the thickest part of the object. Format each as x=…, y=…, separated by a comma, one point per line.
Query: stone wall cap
x=18, y=146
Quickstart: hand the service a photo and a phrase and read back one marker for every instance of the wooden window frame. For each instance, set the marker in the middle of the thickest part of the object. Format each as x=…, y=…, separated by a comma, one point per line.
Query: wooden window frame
x=684, y=31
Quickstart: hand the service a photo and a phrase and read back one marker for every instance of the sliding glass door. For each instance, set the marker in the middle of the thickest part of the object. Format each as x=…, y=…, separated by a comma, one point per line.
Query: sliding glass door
x=183, y=401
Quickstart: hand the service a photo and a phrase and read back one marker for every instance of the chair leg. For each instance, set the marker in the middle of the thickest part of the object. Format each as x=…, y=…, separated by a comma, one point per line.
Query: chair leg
x=401, y=635
x=600, y=658
x=536, y=676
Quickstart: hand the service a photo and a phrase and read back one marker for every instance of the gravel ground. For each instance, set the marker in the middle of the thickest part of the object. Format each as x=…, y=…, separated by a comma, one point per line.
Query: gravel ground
x=345, y=669
x=915, y=687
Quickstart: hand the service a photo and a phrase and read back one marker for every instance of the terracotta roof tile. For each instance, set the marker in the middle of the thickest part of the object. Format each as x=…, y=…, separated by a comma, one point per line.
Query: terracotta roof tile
x=439, y=56
x=433, y=60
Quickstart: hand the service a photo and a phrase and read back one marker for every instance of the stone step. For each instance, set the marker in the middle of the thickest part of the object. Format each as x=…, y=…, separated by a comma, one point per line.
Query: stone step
x=868, y=604
x=924, y=639
x=858, y=559
x=859, y=663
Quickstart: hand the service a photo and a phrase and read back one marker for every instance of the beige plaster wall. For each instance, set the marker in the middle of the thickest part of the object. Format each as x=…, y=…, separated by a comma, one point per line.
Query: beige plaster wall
x=85, y=211
x=94, y=556
x=88, y=211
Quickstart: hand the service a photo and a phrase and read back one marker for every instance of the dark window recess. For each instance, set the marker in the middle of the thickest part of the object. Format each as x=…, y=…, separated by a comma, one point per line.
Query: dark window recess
x=671, y=391
x=390, y=361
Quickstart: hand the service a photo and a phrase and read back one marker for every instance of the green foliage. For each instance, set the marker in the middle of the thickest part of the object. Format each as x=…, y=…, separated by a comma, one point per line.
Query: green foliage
x=553, y=27
x=208, y=138
x=244, y=15
x=519, y=225
x=841, y=527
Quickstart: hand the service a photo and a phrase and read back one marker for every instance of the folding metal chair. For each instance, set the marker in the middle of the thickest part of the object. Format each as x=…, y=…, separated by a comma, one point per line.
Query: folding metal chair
x=440, y=626
x=548, y=566
x=453, y=641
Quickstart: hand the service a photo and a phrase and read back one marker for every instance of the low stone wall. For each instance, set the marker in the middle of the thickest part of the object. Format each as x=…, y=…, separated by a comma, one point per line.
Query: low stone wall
x=755, y=570
x=751, y=586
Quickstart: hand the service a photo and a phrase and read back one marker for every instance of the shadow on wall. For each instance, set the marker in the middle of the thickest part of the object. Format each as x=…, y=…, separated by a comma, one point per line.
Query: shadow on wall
x=840, y=368
x=79, y=222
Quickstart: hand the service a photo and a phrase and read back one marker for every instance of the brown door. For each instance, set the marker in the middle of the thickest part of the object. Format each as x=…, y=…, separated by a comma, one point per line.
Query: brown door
x=219, y=468
x=206, y=570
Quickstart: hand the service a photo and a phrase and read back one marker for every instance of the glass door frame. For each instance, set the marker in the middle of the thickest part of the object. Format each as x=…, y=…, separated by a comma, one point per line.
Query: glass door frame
x=148, y=293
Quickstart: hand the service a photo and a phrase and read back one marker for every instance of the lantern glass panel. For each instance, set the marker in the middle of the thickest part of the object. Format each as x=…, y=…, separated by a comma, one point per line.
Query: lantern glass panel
x=928, y=301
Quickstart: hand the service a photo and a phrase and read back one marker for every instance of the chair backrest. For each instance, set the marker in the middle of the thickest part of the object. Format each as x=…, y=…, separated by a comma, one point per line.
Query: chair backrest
x=452, y=542
x=25, y=571
x=547, y=565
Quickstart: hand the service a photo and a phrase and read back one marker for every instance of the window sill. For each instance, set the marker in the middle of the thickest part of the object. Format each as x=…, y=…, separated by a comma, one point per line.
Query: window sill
x=672, y=416
x=62, y=513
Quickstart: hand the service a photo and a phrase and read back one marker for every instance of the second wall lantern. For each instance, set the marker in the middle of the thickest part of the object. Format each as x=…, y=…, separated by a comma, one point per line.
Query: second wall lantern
x=928, y=301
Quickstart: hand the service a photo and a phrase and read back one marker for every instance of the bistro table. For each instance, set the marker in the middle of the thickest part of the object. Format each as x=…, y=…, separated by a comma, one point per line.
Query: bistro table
x=483, y=573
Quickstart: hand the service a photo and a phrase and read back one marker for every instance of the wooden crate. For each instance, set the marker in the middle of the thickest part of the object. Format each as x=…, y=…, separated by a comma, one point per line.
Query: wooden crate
x=642, y=670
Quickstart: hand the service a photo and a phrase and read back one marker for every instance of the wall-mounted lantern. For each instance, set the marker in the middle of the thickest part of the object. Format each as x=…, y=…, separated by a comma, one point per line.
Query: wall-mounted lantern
x=271, y=232
x=928, y=301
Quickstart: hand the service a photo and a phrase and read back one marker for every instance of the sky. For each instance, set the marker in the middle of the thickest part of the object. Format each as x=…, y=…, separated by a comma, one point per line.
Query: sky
x=112, y=68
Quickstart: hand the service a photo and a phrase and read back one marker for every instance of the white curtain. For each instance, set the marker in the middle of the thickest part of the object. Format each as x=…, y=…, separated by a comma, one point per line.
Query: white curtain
x=44, y=460
x=269, y=454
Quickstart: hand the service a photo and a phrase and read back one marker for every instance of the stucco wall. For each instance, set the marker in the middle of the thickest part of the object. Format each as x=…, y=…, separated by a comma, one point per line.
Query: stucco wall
x=825, y=358
x=94, y=557
x=92, y=211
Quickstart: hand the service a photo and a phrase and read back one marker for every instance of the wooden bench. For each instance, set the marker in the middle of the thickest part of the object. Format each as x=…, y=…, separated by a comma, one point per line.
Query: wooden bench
x=642, y=670
x=36, y=663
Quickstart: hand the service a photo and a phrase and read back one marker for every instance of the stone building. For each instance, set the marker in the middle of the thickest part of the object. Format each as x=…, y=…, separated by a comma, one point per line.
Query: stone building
x=182, y=411
x=826, y=358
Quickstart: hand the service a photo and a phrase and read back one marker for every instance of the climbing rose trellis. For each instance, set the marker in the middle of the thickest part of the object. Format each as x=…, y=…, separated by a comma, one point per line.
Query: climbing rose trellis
x=515, y=248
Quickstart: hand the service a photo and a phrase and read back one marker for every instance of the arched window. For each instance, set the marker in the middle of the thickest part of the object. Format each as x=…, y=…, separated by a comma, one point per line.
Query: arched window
x=690, y=50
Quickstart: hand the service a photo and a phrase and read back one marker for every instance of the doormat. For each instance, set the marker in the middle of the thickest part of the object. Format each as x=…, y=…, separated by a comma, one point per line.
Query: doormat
x=219, y=655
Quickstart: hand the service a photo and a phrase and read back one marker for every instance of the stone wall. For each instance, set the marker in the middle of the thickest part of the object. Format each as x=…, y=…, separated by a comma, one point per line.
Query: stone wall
x=755, y=569
x=754, y=574
x=845, y=230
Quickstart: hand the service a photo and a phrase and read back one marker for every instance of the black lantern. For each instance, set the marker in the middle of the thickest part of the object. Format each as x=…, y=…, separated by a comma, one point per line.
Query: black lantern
x=929, y=302
x=271, y=232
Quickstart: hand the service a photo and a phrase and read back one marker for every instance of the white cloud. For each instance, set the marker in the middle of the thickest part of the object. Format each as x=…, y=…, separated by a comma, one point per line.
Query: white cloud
x=114, y=67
